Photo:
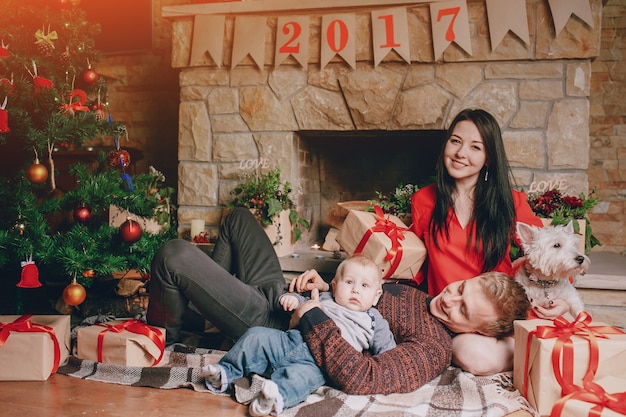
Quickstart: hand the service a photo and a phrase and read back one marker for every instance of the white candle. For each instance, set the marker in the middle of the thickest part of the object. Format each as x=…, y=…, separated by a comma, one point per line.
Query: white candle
x=197, y=227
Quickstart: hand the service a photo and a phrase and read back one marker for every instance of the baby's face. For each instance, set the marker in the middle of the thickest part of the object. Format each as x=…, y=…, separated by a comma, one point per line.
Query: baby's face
x=358, y=289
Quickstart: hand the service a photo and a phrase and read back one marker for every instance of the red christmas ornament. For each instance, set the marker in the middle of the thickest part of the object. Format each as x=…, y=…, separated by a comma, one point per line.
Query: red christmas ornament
x=4, y=117
x=82, y=214
x=130, y=231
x=4, y=50
x=74, y=294
x=89, y=76
x=30, y=275
x=118, y=158
x=37, y=173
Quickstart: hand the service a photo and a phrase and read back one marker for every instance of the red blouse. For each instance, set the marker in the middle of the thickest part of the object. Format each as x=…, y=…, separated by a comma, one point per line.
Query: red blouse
x=451, y=261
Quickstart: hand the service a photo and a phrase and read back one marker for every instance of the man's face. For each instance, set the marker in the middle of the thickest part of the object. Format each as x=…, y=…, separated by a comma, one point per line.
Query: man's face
x=463, y=306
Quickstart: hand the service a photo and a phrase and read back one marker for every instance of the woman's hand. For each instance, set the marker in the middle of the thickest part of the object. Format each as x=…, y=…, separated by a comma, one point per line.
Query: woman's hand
x=307, y=281
x=304, y=307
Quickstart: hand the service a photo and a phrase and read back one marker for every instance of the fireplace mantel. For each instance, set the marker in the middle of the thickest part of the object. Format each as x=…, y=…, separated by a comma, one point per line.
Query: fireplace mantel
x=538, y=92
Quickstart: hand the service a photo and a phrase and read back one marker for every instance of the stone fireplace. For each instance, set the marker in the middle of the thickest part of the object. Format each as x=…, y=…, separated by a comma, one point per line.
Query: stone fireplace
x=342, y=133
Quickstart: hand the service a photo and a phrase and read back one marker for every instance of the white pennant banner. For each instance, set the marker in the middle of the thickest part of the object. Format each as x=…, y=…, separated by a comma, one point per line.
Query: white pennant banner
x=338, y=37
x=292, y=38
x=208, y=37
x=450, y=23
x=390, y=31
x=249, y=39
x=504, y=16
x=562, y=10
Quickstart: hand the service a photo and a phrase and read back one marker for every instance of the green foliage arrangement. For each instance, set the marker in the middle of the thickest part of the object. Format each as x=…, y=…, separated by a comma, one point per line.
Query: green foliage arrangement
x=268, y=195
x=398, y=201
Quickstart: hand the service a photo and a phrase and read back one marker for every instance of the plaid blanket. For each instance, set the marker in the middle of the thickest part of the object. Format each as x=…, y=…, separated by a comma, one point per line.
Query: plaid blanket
x=453, y=393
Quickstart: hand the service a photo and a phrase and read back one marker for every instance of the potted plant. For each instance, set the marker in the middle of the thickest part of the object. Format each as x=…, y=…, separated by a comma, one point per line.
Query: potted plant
x=268, y=197
x=558, y=209
x=397, y=203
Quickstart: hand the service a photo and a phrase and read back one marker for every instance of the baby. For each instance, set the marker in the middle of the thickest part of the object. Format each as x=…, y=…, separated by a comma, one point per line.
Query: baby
x=283, y=356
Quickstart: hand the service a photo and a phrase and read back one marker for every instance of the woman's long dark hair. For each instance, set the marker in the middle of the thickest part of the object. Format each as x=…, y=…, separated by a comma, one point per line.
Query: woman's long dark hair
x=493, y=216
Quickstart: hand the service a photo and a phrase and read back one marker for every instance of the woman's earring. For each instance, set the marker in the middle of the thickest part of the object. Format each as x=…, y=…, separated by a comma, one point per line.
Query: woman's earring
x=486, y=175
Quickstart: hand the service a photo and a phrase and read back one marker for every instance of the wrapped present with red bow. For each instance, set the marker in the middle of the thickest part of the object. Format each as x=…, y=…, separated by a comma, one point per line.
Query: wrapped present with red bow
x=554, y=359
x=121, y=342
x=605, y=397
x=32, y=347
x=386, y=240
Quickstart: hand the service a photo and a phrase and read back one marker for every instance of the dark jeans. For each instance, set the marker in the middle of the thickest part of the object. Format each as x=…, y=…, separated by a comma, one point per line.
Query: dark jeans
x=235, y=289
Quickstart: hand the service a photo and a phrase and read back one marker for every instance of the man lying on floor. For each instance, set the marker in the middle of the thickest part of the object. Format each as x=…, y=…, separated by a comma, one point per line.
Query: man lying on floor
x=239, y=287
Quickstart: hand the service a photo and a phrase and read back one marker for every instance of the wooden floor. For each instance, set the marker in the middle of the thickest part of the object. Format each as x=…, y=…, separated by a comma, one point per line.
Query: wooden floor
x=66, y=396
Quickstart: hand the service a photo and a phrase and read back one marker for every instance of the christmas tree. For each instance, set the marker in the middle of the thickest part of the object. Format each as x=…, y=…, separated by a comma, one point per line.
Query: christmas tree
x=51, y=99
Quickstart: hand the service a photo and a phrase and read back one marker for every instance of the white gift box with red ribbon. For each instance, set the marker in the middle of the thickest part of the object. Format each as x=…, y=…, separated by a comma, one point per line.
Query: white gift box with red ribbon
x=32, y=347
x=386, y=240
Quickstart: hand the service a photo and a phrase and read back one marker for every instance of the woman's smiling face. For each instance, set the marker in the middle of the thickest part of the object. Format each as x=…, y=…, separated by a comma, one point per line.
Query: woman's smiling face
x=464, y=153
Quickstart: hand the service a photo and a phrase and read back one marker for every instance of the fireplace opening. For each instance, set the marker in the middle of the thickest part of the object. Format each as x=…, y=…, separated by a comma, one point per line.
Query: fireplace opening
x=337, y=167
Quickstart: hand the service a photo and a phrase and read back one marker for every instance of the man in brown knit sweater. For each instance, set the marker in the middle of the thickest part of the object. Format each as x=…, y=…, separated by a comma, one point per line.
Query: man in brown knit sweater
x=423, y=328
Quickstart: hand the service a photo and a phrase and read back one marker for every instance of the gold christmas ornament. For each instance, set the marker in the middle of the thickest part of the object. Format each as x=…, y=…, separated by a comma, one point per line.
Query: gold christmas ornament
x=74, y=294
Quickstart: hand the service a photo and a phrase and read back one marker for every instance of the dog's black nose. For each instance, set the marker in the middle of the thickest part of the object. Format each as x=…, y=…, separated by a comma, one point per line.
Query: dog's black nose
x=580, y=259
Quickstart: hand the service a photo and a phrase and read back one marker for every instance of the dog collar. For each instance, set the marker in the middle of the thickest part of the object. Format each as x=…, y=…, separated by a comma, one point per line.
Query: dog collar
x=543, y=283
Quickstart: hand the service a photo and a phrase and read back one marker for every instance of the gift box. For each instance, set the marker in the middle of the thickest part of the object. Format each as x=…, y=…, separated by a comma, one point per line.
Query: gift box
x=609, y=400
x=541, y=380
x=386, y=240
x=33, y=346
x=121, y=342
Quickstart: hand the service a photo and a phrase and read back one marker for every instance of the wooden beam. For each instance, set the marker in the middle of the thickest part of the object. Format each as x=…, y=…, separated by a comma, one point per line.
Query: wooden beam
x=279, y=6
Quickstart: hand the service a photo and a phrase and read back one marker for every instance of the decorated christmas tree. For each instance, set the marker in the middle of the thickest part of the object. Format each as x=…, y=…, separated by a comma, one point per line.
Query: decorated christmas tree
x=51, y=99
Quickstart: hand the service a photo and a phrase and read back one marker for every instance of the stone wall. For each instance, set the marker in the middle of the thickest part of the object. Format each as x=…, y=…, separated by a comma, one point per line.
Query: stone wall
x=539, y=93
x=607, y=154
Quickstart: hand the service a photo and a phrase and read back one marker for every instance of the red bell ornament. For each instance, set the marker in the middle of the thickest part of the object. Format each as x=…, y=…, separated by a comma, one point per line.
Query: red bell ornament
x=30, y=275
x=130, y=231
x=4, y=117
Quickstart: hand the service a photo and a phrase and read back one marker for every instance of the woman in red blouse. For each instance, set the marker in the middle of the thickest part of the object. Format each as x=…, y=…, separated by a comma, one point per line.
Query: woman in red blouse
x=466, y=220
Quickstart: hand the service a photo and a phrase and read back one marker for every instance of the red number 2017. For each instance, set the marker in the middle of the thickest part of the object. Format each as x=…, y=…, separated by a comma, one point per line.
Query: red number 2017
x=454, y=11
x=291, y=46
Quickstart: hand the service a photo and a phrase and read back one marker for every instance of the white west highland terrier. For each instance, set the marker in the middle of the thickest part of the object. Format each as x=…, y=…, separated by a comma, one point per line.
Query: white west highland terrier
x=552, y=258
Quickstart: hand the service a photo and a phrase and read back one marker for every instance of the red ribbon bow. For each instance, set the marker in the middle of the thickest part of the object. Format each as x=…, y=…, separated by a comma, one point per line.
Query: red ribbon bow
x=23, y=324
x=594, y=394
x=391, y=230
x=563, y=331
x=133, y=326
x=77, y=99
